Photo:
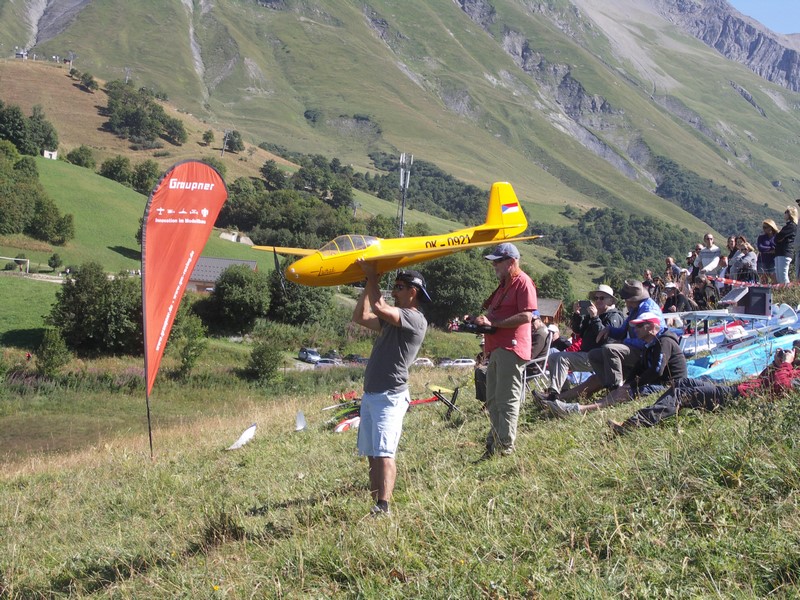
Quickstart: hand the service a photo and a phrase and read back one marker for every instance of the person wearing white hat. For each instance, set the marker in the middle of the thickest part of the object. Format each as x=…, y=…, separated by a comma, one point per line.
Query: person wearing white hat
x=676, y=301
x=613, y=360
x=660, y=365
x=601, y=312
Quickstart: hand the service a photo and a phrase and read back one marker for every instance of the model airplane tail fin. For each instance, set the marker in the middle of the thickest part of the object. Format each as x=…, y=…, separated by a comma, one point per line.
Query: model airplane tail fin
x=505, y=211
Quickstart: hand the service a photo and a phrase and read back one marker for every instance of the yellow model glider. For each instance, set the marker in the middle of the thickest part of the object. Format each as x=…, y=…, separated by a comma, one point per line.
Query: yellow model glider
x=335, y=262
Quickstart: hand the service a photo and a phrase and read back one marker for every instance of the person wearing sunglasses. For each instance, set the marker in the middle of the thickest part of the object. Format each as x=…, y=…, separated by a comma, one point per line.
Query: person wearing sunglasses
x=401, y=329
x=661, y=363
x=707, y=261
x=509, y=310
x=600, y=312
x=777, y=380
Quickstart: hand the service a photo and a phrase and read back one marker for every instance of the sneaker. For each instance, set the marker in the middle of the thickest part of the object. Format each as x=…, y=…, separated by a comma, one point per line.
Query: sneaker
x=541, y=399
x=376, y=511
x=618, y=428
x=563, y=409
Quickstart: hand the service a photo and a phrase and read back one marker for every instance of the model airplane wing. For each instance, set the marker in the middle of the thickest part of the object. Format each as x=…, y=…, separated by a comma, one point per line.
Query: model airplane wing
x=286, y=250
x=299, y=421
x=246, y=436
x=441, y=249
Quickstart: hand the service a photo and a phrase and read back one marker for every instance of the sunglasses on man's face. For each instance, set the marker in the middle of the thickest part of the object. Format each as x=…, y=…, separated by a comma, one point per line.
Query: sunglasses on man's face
x=399, y=287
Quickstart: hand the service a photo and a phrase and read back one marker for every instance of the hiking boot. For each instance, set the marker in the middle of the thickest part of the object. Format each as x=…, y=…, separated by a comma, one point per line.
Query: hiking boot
x=563, y=409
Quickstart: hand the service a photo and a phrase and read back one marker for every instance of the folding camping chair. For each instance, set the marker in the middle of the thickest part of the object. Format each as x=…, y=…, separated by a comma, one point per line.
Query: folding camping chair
x=537, y=376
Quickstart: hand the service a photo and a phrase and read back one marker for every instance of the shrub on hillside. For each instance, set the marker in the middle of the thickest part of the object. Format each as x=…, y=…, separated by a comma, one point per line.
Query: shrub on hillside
x=52, y=353
x=297, y=304
x=240, y=298
x=265, y=360
x=188, y=340
x=117, y=169
x=82, y=156
x=97, y=315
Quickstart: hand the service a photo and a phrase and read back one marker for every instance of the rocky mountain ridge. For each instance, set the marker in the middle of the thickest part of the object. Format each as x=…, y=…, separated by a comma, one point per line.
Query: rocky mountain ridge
x=716, y=23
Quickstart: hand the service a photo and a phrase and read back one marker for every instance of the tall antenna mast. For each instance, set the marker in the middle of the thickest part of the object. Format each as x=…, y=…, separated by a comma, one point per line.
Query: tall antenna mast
x=406, y=160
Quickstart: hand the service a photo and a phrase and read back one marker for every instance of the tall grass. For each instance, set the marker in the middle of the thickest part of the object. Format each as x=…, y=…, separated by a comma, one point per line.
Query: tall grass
x=704, y=505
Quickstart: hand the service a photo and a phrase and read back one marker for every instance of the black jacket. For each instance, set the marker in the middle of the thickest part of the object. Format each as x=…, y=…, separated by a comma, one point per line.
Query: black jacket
x=679, y=301
x=661, y=362
x=588, y=328
x=784, y=239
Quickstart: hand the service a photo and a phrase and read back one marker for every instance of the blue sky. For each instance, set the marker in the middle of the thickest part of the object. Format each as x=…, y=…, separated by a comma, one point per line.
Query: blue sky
x=782, y=16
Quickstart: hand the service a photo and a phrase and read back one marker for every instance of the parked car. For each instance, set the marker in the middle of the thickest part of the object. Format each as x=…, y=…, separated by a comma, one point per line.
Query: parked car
x=324, y=363
x=458, y=362
x=356, y=358
x=422, y=362
x=309, y=355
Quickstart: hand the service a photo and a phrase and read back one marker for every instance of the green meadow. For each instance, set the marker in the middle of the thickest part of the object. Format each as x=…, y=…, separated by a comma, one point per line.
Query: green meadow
x=704, y=506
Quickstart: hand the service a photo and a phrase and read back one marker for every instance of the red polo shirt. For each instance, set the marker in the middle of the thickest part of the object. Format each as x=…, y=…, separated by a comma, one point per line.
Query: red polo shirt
x=518, y=295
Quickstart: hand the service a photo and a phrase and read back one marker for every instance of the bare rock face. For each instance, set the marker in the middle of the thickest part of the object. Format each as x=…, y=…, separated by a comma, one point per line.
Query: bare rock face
x=480, y=11
x=56, y=16
x=772, y=56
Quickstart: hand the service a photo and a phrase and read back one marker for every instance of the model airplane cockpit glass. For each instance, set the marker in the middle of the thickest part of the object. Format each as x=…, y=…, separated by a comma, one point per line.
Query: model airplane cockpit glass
x=346, y=243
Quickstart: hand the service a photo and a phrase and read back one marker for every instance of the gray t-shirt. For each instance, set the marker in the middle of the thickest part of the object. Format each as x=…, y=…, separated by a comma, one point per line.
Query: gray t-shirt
x=393, y=351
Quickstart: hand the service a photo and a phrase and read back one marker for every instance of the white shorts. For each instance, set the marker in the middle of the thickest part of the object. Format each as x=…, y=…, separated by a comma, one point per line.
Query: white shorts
x=381, y=423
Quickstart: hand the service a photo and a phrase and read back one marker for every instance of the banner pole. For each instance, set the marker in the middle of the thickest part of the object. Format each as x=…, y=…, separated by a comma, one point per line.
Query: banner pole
x=149, y=425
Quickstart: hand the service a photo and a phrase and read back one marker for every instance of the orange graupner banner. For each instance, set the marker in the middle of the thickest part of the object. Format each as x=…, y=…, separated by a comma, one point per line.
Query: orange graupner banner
x=178, y=219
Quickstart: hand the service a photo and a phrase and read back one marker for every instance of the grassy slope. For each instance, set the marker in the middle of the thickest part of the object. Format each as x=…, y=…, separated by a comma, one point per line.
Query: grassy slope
x=700, y=507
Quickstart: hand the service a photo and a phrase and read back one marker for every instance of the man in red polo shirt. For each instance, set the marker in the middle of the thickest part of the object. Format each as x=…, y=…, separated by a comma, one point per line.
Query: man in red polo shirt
x=508, y=311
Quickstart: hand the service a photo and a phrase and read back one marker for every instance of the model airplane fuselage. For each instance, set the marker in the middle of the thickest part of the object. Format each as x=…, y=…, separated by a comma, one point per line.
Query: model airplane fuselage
x=335, y=263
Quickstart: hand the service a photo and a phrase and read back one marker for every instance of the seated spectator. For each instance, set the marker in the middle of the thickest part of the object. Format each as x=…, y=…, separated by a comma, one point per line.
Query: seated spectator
x=765, y=243
x=622, y=347
x=557, y=343
x=676, y=300
x=539, y=335
x=705, y=295
x=600, y=313
x=685, y=284
x=661, y=364
x=745, y=259
x=779, y=378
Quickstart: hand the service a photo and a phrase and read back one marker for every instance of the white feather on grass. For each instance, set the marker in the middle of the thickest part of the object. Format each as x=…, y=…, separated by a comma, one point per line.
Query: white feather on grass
x=246, y=436
x=299, y=421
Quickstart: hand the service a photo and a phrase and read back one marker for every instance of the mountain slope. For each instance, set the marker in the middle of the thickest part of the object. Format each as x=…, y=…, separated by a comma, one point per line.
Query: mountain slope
x=570, y=101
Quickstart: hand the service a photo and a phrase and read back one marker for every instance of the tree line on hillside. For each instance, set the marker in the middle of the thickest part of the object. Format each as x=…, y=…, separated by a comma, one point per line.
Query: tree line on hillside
x=135, y=115
x=725, y=210
x=614, y=241
x=430, y=189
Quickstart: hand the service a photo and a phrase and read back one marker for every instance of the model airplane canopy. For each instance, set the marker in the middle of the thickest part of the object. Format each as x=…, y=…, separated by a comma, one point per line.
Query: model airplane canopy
x=335, y=262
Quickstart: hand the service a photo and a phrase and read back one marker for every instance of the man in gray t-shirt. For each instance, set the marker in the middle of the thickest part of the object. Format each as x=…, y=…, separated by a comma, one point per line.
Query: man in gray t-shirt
x=401, y=329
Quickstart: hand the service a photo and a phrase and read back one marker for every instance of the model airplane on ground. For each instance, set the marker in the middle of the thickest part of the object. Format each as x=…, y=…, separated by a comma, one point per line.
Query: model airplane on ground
x=335, y=263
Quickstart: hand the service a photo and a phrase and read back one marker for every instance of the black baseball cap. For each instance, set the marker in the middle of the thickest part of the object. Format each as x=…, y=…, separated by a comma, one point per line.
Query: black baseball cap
x=416, y=279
